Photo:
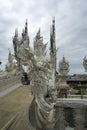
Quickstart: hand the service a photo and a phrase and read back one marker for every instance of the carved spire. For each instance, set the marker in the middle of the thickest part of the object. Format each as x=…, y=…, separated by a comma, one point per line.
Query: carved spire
x=16, y=43
x=15, y=38
x=52, y=34
x=26, y=28
x=63, y=66
x=25, y=38
x=16, y=32
x=38, y=38
x=10, y=59
x=53, y=44
x=23, y=33
x=39, y=46
x=38, y=35
x=85, y=63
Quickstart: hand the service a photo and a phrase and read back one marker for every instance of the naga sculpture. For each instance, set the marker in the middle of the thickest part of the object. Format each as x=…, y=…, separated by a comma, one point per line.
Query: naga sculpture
x=42, y=75
x=11, y=67
x=44, y=93
x=47, y=111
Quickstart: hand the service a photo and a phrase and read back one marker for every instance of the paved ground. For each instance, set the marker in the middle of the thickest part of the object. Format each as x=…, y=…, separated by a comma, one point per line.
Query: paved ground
x=10, y=89
x=14, y=108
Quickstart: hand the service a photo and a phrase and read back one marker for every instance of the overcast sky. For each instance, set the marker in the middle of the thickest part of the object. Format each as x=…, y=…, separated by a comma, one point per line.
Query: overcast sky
x=71, y=26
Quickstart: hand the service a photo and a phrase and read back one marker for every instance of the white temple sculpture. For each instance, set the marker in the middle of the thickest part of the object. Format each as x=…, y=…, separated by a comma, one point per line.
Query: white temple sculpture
x=53, y=45
x=85, y=63
x=39, y=47
x=61, y=84
x=64, y=66
x=19, y=45
x=47, y=110
x=10, y=66
x=42, y=71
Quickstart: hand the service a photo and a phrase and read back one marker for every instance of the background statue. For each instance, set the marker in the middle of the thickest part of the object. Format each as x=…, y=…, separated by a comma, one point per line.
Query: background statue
x=85, y=63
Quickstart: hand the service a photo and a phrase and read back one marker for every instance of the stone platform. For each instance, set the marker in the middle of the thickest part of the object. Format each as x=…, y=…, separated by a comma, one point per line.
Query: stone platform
x=14, y=109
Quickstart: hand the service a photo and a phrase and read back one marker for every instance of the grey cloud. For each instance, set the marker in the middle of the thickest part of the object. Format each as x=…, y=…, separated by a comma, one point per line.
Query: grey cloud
x=71, y=26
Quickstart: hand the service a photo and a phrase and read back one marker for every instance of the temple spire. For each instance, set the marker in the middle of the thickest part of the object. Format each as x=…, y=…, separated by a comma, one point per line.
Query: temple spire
x=23, y=33
x=53, y=44
x=10, y=59
x=26, y=27
x=38, y=35
x=16, y=32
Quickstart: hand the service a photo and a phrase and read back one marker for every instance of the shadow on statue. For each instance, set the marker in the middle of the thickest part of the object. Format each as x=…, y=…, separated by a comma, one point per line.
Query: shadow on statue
x=25, y=79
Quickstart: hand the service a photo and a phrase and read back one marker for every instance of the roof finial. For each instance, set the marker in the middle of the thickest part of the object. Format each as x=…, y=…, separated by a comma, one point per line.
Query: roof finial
x=53, y=19
x=26, y=29
x=16, y=32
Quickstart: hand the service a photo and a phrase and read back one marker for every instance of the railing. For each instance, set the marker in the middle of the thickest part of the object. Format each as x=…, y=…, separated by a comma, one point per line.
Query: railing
x=66, y=114
x=77, y=96
x=72, y=114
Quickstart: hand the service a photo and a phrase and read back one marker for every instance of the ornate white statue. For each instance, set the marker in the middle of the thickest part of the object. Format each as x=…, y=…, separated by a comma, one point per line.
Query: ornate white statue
x=20, y=45
x=42, y=72
x=39, y=46
x=64, y=66
x=10, y=66
x=85, y=63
